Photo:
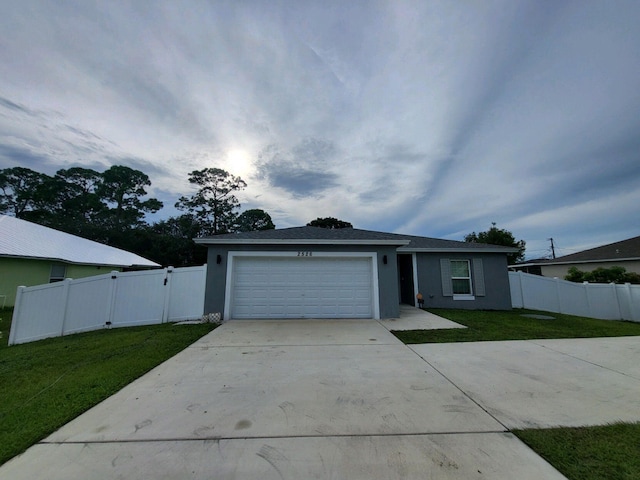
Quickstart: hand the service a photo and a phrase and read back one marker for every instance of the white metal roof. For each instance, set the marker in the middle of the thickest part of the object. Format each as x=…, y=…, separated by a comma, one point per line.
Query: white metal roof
x=22, y=239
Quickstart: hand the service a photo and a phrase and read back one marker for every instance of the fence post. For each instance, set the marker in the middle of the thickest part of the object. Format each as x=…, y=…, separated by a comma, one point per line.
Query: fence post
x=65, y=304
x=521, y=290
x=112, y=298
x=615, y=293
x=167, y=294
x=587, y=293
x=558, y=294
x=632, y=311
x=15, y=319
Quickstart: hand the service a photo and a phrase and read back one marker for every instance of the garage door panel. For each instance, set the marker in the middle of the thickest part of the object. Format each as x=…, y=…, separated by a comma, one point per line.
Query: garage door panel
x=285, y=287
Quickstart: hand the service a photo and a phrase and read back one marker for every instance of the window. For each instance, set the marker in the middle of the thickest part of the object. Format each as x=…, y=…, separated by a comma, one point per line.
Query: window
x=456, y=278
x=58, y=272
x=461, y=277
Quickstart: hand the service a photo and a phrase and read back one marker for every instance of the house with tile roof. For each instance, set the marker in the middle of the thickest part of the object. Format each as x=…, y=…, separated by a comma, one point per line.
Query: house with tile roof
x=311, y=272
x=31, y=254
x=625, y=253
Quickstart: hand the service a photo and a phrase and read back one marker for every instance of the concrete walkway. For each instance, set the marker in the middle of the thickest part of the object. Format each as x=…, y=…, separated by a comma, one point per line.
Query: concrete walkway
x=412, y=318
x=337, y=399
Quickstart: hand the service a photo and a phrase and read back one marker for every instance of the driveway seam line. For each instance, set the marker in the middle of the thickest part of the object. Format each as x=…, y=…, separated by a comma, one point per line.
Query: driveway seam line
x=458, y=388
x=583, y=360
x=265, y=437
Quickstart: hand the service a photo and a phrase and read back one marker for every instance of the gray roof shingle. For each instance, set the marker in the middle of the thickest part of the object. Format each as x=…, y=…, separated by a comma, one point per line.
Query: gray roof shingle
x=624, y=250
x=344, y=236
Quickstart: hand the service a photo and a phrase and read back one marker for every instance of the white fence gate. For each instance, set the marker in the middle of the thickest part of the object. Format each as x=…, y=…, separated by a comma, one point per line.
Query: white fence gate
x=596, y=300
x=113, y=300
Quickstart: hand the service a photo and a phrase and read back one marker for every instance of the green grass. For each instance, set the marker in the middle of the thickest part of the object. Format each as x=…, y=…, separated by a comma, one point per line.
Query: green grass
x=609, y=452
x=46, y=384
x=511, y=325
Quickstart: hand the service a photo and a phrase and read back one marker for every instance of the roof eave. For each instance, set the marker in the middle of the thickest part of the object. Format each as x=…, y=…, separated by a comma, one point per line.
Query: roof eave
x=291, y=241
x=602, y=260
x=456, y=250
x=89, y=264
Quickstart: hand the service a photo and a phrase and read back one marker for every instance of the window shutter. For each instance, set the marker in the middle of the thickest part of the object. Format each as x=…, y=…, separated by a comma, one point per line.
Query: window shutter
x=445, y=274
x=478, y=277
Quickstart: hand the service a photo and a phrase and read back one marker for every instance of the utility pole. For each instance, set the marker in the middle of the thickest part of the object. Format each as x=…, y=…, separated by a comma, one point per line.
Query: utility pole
x=553, y=248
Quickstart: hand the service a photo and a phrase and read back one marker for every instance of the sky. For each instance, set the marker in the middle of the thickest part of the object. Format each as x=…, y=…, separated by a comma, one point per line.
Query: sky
x=431, y=118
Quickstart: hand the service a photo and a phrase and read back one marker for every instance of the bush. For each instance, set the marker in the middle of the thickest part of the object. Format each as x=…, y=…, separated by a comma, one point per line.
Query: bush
x=613, y=274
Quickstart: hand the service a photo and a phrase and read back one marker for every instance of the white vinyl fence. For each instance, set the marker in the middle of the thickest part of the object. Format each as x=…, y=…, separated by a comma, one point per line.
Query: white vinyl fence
x=595, y=300
x=116, y=299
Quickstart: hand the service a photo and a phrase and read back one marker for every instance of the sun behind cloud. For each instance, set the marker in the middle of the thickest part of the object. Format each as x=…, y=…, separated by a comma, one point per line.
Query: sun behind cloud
x=239, y=162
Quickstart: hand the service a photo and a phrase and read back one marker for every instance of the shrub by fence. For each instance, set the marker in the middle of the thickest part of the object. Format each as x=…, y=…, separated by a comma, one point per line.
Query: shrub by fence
x=595, y=300
x=113, y=300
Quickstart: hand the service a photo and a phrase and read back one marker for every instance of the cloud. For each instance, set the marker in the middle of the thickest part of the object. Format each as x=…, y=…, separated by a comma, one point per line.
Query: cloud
x=11, y=156
x=431, y=118
x=303, y=170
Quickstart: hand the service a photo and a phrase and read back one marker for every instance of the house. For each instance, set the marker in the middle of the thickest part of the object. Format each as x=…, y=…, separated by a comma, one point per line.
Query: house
x=625, y=253
x=31, y=254
x=310, y=272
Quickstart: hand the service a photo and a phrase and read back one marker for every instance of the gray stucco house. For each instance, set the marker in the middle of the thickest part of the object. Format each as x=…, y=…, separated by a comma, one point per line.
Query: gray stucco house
x=310, y=272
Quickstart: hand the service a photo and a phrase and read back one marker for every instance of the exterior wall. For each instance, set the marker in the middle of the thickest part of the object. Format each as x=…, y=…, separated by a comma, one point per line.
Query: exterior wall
x=561, y=271
x=387, y=274
x=15, y=272
x=83, y=271
x=496, y=278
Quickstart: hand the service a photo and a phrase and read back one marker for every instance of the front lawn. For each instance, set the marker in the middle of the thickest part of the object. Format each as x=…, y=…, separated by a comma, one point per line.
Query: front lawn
x=46, y=384
x=609, y=452
x=511, y=325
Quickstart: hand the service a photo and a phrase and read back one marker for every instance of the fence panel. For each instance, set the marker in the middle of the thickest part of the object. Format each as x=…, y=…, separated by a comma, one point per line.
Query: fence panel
x=604, y=301
x=38, y=312
x=112, y=300
x=634, y=301
x=574, y=298
x=187, y=293
x=139, y=298
x=88, y=304
x=540, y=294
x=515, y=287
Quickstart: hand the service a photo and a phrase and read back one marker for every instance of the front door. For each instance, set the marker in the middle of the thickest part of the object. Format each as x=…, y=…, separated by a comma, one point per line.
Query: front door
x=405, y=272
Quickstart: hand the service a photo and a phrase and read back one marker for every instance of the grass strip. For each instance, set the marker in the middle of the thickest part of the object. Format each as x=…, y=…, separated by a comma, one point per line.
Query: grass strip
x=46, y=384
x=609, y=452
x=487, y=325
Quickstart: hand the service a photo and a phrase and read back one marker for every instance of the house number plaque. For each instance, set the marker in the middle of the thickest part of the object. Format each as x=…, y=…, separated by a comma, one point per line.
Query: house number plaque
x=305, y=254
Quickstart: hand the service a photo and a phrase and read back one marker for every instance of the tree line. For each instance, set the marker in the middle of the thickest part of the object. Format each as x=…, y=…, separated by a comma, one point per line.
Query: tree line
x=110, y=207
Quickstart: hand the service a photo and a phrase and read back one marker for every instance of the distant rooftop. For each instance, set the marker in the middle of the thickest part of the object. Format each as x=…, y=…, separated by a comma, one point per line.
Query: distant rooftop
x=623, y=250
x=22, y=239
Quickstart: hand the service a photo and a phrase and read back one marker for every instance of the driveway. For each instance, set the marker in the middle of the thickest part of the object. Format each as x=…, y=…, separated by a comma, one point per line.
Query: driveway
x=336, y=399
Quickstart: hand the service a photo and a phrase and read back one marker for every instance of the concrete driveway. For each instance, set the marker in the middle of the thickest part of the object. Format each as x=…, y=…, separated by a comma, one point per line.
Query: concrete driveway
x=335, y=399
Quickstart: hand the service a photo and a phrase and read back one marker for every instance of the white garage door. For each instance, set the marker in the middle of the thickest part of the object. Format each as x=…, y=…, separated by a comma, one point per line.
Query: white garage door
x=309, y=287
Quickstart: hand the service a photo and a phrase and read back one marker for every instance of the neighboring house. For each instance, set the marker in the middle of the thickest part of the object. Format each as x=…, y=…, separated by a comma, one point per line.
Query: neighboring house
x=31, y=254
x=310, y=272
x=621, y=254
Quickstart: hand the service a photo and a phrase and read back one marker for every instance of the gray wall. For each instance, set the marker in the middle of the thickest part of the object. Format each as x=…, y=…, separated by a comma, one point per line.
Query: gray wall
x=496, y=278
x=387, y=274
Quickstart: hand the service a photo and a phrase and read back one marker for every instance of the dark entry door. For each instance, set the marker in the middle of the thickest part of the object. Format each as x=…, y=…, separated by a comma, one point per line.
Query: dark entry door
x=405, y=271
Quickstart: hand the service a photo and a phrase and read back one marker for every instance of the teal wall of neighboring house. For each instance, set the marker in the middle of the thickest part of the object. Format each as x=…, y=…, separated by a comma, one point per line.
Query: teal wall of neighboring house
x=15, y=272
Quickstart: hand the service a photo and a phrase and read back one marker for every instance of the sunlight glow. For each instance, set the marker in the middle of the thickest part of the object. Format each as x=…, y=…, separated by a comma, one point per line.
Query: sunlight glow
x=239, y=162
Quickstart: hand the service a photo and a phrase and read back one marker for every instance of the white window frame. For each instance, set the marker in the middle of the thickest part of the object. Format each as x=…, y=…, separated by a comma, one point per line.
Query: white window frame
x=462, y=296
